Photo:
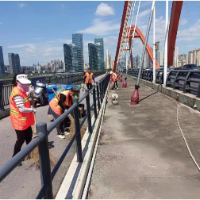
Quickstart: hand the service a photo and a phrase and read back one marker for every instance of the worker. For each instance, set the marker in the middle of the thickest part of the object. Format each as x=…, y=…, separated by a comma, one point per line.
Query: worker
x=21, y=112
x=59, y=104
x=114, y=79
x=89, y=79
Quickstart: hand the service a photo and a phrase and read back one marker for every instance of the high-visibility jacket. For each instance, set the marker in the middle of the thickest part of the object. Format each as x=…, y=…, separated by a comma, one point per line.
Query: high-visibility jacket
x=54, y=102
x=113, y=77
x=20, y=121
x=87, y=77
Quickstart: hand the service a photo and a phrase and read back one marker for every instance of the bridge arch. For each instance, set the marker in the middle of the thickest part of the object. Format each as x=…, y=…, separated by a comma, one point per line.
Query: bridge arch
x=138, y=34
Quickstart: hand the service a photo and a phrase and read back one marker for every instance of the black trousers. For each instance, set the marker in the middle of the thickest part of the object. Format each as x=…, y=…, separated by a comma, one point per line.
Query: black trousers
x=64, y=124
x=89, y=86
x=22, y=136
x=116, y=84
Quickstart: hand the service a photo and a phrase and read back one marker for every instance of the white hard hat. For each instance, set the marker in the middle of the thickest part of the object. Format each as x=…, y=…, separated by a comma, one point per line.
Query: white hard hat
x=22, y=78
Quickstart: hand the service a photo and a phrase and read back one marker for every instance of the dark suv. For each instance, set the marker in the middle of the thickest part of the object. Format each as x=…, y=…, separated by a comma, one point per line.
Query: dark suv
x=189, y=67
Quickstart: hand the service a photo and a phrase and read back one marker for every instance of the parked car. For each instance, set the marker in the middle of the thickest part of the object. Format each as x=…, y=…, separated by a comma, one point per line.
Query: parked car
x=188, y=67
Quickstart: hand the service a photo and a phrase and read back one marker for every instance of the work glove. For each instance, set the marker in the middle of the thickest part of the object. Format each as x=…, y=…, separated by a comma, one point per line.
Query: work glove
x=34, y=110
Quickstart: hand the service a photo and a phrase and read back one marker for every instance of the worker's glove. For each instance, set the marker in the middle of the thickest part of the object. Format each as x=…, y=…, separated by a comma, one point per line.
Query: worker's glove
x=34, y=110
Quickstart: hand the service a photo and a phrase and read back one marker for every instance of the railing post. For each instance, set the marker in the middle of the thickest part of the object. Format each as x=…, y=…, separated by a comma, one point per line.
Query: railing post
x=88, y=111
x=94, y=100
x=98, y=102
x=1, y=96
x=77, y=131
x=45, y=168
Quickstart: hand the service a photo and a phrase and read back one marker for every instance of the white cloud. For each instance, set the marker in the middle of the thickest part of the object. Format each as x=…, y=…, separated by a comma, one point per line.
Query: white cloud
x=100, y=27
x=21, y=5
x=145, y=4
x=19, y=46
x=183, y=22
x=189, y=33
x=104, y=9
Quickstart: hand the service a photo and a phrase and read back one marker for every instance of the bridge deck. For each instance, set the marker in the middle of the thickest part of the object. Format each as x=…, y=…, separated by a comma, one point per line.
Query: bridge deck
x=142, y=153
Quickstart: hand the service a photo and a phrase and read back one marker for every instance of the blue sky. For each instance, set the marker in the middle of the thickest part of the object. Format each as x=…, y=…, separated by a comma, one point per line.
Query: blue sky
x=37, y=30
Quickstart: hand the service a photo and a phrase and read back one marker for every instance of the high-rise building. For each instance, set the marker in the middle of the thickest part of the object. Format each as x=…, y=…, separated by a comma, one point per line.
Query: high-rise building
x=14, y=62
x=175, y=60
x=160, y=58
x=93, y=56
x=2, y=70
x=75, y=58
x=196, y=57
x=77, y=41
x=147, y=60
x=182, y=59
x=100, y=46
x=67, y=57
x=108, y=60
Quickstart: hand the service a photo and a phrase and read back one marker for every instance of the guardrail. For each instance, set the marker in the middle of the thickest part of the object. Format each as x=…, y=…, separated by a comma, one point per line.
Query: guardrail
x=187, y=81
x=41, y=141
x=6, y=84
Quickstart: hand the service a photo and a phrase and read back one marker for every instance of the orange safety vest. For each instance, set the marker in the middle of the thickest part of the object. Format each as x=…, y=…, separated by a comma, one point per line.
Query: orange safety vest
x=20, y=121
x=87, y=77
x=54, y=102
x=114, y=76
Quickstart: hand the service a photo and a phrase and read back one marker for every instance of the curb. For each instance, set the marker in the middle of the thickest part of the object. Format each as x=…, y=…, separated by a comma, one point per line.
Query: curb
x=77, y=190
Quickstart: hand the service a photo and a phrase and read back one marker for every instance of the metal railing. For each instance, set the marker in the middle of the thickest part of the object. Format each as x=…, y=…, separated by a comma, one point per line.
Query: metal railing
x=41, y=140
x=6, y=84
x=187, y=81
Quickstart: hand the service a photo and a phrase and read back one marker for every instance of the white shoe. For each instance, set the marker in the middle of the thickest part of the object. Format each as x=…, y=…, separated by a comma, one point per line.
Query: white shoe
x=61, y=136
x=66, y=132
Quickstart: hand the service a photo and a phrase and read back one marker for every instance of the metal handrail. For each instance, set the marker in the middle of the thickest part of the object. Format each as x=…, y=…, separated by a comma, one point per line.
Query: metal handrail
x=41, y=140
x=187, y=81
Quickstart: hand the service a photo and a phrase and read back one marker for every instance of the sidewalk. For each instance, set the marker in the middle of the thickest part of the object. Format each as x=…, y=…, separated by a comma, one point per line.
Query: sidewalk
x=142, y=153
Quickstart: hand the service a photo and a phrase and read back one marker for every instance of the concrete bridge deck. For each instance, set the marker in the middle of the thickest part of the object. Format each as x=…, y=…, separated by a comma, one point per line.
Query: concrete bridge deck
x=24, y=182
x=142, y=153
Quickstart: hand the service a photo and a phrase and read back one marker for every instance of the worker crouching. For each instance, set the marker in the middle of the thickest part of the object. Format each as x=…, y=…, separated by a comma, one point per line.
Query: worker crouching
x=58, y=105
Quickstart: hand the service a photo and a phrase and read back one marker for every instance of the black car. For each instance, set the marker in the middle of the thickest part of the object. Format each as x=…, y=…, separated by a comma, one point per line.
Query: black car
x=189, y=67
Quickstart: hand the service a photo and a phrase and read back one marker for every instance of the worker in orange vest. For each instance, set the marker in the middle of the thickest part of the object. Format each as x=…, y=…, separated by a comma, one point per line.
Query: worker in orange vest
x=21, y=112
x=58, y=105
x=89, y=79
x=114, y=79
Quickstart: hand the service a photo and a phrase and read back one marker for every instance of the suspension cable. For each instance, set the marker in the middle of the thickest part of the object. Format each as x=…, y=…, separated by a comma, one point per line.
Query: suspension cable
x=132, y=40
x=127, y=31
x=121, y=52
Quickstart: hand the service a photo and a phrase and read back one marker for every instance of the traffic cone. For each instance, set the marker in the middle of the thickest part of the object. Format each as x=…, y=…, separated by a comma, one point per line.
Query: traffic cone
x=135, y=96
x=124, y=85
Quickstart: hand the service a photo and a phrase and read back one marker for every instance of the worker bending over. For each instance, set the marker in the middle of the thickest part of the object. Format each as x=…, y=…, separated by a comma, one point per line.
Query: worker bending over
x=21, y=113
x=89, y=79
x=58, y=105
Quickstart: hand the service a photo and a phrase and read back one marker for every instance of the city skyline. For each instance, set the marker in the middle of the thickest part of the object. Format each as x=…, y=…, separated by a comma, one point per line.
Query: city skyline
x=40, y=46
